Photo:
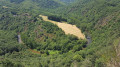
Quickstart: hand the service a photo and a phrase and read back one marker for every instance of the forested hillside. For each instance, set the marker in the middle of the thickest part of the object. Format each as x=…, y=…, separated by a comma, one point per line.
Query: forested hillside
x=46, y=45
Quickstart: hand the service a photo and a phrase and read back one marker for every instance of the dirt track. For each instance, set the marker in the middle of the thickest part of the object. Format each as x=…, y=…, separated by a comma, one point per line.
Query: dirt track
x=67, y=28
x=36, y=52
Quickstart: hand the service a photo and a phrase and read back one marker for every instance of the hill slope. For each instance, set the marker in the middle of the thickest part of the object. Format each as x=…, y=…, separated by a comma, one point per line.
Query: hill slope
x=98, y=19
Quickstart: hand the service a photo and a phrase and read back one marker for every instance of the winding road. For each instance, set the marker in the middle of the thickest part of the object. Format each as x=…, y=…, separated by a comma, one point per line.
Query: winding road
x=19, y=39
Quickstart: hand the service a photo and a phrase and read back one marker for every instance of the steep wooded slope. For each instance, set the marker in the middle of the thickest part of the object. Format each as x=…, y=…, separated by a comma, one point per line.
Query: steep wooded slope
x=97, y=18
x=100, y=19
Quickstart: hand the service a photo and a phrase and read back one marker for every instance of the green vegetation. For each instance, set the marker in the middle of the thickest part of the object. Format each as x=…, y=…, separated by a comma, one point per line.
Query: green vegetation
x=16, y=1
x=46, y=45
x=47, y=36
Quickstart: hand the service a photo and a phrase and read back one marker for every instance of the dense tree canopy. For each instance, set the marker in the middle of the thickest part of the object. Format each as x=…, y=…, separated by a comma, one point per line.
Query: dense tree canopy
x=46, y=45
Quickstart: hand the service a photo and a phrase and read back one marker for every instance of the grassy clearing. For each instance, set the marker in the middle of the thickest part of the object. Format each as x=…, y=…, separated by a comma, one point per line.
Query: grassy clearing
x=67, y=28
